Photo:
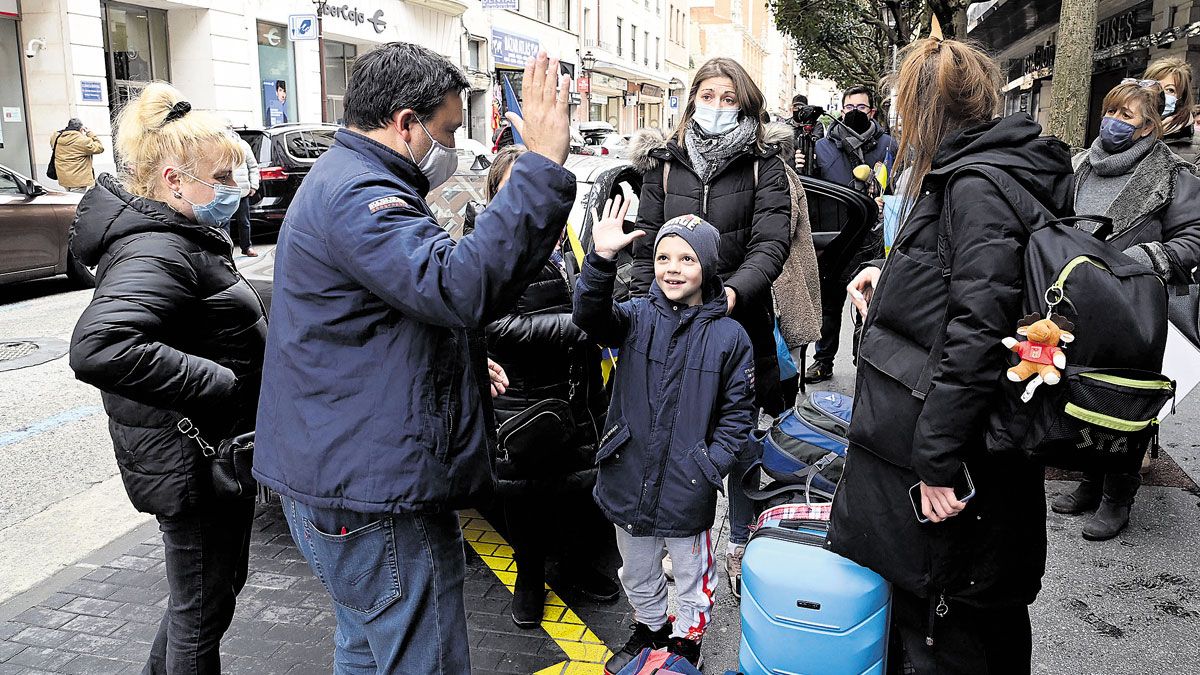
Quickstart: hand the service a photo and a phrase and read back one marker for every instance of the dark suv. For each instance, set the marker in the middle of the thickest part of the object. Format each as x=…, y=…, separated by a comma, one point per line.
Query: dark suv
x=285, y=154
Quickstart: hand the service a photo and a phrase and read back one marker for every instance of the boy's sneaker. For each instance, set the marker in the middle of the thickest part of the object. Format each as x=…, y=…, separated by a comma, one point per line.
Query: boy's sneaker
x=642, y=638
x=688, y=649
x=733, y=570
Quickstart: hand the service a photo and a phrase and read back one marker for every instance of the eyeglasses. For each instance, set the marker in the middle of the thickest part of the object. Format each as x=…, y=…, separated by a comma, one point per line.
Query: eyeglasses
x=862, y=107
x=1145, y=84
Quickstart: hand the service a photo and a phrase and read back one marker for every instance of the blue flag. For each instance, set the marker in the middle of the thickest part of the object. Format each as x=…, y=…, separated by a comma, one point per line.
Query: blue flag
x=513, y=105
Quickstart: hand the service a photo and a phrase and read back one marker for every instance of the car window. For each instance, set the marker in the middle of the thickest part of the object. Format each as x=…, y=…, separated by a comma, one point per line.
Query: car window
x=8, y=184
x=307, y=144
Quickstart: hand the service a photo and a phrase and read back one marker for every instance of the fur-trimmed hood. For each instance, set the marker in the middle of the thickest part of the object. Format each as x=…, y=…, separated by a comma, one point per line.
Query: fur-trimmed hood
x=647, y=146
x=1151, y=187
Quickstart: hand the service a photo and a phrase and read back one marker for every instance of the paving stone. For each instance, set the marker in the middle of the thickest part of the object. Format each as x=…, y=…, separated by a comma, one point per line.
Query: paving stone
x=133, y=562
x=42, y=637
x=100, y=574
x=140, y=632
x=42, y=658
x=95, y=645
x=93, y=589
x=257, y=647
x=85, y=664
x=137, y=612
x=298, y=634
x=94, y=625
x=284, y=614
x=91, y=606
x=46, y=618
x=56, y=601
x=10, y=628
x=10, y=649
x=132, y=651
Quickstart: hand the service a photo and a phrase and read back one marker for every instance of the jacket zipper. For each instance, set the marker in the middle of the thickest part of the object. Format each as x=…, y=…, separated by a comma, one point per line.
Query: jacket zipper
x=704, y=203
x=937, y=610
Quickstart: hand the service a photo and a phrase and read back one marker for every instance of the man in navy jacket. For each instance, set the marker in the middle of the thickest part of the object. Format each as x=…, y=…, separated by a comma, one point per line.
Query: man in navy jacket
x=372, y=422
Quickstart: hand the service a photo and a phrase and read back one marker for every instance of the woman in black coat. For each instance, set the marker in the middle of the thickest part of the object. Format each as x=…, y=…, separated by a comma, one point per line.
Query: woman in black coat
x=547, y=504
x=931, y=363
x=174, y=332
x=718, y=166
x=1152, y=196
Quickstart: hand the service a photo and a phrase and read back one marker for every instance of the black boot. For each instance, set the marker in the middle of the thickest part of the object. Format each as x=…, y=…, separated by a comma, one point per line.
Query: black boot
x=529, y=597
x=1113, y=514
x=688, y=649
x=1083, y=499
x=642, y=638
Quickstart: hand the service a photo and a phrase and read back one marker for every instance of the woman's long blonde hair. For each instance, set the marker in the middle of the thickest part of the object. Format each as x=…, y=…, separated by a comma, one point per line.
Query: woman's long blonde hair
x=145, y=141
x=942, y=86
x=1185, y=98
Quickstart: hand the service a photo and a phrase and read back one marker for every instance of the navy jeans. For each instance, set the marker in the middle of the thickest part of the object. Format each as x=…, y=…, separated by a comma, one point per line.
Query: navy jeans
x=741, y=508
x=207, y=554
x=242, y=219
x=397, y=588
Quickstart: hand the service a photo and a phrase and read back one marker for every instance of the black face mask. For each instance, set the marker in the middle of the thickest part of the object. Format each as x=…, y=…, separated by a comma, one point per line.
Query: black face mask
x=858, y=121
x=796, y=115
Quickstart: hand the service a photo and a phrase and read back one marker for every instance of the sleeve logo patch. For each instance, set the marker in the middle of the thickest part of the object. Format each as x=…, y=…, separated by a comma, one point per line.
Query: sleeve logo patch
x=387, y=203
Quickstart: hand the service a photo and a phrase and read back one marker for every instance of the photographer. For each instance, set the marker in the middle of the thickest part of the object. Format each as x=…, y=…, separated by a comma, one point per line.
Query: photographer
x=806, y=130
x=855, y=140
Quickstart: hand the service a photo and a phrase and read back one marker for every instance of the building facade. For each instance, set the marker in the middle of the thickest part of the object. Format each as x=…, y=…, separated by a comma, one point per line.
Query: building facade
x=266, y=62
x=1129, y=35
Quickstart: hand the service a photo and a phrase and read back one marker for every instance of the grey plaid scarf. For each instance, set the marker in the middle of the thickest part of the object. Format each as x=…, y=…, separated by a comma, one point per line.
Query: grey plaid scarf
x=708, y=153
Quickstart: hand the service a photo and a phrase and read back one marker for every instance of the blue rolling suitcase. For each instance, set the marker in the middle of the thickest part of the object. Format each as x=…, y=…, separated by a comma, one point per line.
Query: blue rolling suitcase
x=807, y=610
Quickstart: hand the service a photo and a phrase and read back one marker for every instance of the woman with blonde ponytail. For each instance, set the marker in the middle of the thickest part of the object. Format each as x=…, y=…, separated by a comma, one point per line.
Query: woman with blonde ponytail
x=960, y=532
x=174, y=333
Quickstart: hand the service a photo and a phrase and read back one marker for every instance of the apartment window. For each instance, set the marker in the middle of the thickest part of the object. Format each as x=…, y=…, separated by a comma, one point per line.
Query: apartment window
x=671, y=13
x=475, y=59
x=564, y=14
x=543, y=10
x=658, y=7
x=645, y=48
x=633, y=44
x=657, y=53
x=586, y=29
x=620, y=36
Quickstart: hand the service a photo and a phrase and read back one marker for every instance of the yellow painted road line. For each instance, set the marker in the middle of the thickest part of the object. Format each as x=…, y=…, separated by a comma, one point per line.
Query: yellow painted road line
x=585, y=652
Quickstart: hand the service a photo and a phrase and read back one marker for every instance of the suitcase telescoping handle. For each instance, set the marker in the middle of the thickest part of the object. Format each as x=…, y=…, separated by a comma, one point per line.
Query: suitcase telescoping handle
x=755, y=492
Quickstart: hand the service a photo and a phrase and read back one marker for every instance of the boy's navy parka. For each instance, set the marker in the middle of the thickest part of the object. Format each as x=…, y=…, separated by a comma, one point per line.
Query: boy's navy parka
x=372, y=397
x=682, y=407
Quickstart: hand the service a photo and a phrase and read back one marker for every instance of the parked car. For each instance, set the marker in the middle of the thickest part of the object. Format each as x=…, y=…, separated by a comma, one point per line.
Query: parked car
x=285, y=154
x=600, y=138
x=35, y=228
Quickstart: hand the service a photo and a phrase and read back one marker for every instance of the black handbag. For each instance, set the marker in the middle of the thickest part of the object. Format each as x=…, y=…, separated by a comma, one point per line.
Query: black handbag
x=531, y=442
x=51, y=170
x=230, y=462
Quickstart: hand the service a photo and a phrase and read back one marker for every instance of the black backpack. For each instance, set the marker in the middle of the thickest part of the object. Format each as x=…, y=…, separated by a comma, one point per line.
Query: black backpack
x=1103, y=415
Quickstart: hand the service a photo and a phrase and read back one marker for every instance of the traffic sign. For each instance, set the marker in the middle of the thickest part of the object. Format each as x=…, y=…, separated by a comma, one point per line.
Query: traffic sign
x=673, y=103
x=302, y=27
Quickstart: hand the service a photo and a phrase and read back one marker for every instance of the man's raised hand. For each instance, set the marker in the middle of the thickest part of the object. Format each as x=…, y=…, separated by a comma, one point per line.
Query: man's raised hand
x=545, y=121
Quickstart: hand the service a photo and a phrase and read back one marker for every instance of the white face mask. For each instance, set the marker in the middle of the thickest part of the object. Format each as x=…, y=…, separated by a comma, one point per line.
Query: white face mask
x=1170, y=107
x=438, y=164
x=714, y=121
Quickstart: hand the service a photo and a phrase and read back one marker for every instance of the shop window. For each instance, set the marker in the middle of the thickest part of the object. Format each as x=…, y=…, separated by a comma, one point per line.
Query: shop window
x=276, y=74
x=339, y=63
x=136, y=51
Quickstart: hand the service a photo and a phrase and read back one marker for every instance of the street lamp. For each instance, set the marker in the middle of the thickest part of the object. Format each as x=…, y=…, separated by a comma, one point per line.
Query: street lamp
x=587, y=61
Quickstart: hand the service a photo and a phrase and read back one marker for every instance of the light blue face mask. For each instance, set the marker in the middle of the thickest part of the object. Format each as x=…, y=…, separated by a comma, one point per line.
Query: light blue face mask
x=224, y=204
x=715, y=121
x=1170, y=107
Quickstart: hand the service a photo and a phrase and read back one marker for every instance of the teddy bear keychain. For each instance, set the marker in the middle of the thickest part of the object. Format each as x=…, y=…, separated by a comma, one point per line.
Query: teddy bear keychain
x=1041, y=357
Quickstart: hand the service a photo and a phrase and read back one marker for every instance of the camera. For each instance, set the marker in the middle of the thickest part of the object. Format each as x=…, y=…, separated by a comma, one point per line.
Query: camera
x=808, y=114
x=806, y=118
x=34, y=46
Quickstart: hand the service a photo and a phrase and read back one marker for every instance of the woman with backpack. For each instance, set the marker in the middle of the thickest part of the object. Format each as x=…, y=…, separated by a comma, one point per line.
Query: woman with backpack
x=174, y=332
x=964, y=569
x=545, y=486
x=1152, y=195
x=718, y=165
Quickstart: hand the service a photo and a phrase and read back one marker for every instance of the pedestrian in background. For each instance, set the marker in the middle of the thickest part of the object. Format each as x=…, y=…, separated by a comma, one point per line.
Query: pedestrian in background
x=174, y=332
x=248, y=178
x=1178, y=130
x=546, y=472
x=963, y=582
x=682, y=410
x=375, y=416
x=1152, y=196
x=72, y=150
x=858, y=139
x=719, y=167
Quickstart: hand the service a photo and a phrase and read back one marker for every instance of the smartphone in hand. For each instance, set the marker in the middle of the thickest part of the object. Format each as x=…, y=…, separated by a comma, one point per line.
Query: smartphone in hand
x=964, y=490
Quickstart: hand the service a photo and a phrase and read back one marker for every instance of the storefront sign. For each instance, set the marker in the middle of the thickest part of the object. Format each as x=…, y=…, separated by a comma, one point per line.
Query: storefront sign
x=302, y=27
x=584, y=85
x=511, y=49
x=502, y=4
x=652, y=90
x=12, y=114
x=1160, y=39
x=1124, y=27
x=91, y=91
x=351, y=14
x=631, y=100
x=608, y=82
x=575, y=99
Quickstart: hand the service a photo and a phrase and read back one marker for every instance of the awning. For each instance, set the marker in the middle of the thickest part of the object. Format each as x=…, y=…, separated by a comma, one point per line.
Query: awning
x=629, y=73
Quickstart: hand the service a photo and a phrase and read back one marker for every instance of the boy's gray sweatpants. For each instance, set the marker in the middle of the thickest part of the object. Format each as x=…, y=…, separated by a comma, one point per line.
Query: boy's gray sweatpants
x=694, y=568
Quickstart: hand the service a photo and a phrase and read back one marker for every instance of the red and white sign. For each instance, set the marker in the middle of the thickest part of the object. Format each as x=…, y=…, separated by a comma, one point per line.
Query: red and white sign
x=584, y=85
